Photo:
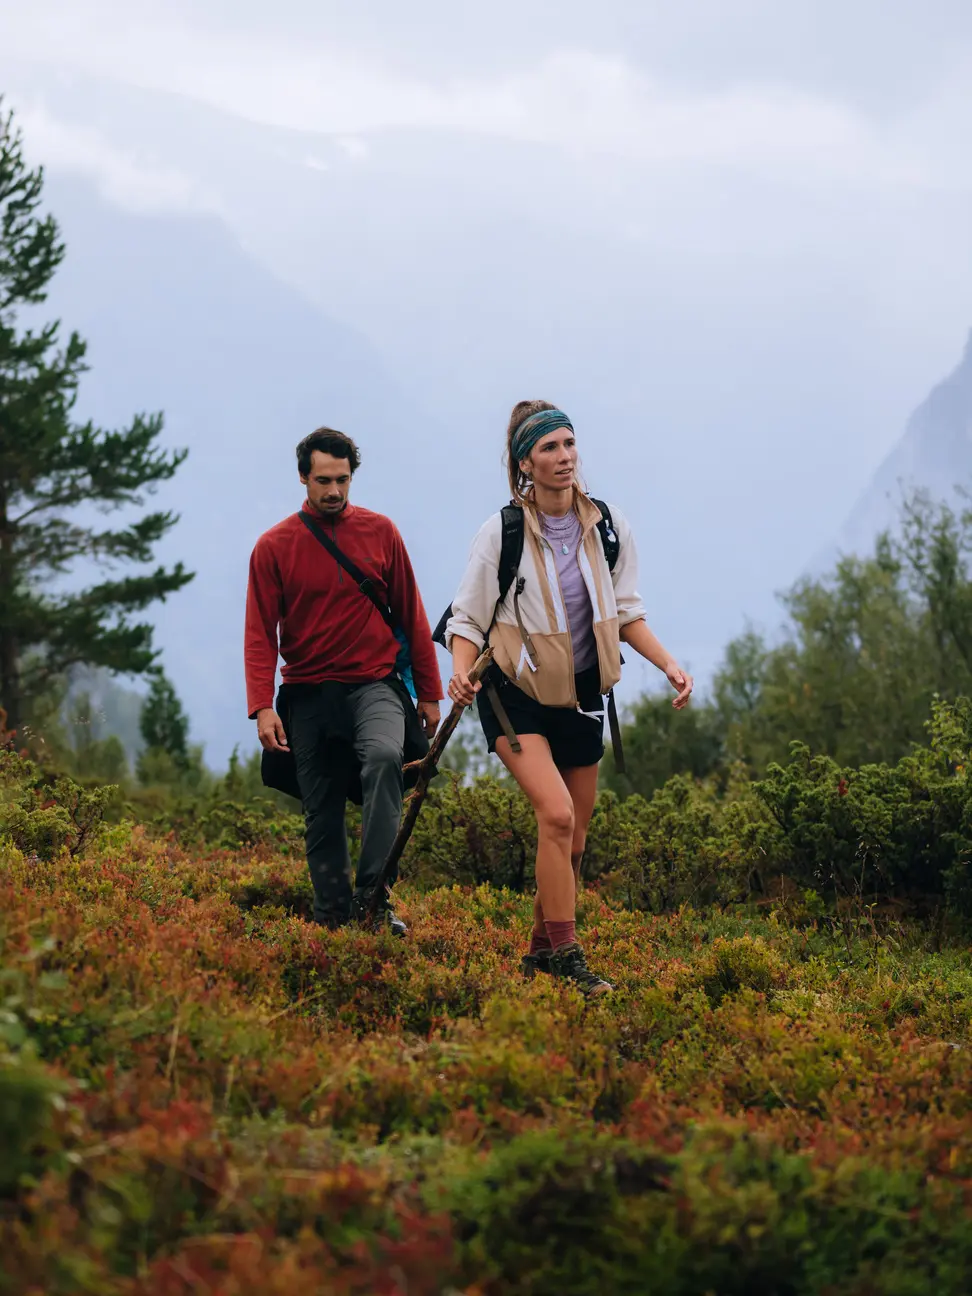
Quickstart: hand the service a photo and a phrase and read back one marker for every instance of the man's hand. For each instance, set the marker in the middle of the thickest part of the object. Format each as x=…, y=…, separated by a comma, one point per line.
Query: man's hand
x=270, y=731
x=429, y=714
x=682, y=683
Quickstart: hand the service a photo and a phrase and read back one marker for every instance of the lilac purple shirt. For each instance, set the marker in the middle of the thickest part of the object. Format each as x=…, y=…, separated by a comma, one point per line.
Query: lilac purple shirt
x=565, y=533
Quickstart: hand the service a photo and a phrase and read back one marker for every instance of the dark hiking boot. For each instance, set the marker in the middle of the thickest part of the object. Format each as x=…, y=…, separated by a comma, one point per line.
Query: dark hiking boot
x=569, y=964
x=383, y=916
x=332, y=921
x=532, y=964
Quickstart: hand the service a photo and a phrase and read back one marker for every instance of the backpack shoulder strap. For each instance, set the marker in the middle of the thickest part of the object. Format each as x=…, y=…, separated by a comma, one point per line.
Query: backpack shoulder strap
x=610, y=542
x=363, y=582
x=511, y=549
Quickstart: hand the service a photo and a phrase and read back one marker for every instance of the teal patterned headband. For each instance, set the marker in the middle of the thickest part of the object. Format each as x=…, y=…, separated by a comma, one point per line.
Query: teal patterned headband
x=533, y=428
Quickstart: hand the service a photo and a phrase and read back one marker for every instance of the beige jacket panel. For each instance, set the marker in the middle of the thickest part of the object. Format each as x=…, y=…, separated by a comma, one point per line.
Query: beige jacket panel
x=614, y=599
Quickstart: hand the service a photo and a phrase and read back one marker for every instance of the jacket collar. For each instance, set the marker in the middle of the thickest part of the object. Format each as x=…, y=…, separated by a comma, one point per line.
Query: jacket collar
x=336, y=520
x=584, y=507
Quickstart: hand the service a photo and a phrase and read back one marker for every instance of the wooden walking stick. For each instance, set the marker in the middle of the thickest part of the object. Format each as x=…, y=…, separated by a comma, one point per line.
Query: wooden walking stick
x=426, y=768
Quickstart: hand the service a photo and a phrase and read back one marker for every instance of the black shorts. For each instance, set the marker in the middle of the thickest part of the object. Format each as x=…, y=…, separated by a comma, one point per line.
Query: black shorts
x=575, y=738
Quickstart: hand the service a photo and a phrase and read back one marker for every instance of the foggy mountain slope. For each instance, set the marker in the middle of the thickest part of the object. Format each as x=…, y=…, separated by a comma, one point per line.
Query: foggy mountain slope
x=934, y=454
x=178, y=318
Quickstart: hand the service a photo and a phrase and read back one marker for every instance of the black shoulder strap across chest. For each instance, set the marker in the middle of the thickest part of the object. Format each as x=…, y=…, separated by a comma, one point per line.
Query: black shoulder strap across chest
x=364, y=583
x=511, y=552
x=610, y=542
x=511, y=549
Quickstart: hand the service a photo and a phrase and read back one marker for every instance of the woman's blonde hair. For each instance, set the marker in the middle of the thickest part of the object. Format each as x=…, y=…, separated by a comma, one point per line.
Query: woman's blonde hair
x=520, y=483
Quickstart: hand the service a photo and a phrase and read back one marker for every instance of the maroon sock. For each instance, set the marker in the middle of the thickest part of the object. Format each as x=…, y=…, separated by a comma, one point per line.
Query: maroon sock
x=561, y=933
x=539, y=942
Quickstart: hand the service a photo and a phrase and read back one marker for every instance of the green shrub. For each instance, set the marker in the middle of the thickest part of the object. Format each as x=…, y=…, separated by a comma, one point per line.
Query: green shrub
x=687, y=845
x=902, y=830
x=28, y=1098
x=42, y=818
x=548, y=1214
x=29, y=1094
x=894, y=831
x=474, y=833
x=219, y=821
x=729, y=1212
x=745, y=963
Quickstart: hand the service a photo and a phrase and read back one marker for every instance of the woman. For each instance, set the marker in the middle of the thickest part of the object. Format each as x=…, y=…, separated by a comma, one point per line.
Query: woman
x=556, y=639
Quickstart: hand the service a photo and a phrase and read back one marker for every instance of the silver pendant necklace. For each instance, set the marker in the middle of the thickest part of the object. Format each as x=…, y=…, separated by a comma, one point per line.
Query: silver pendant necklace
x=558, y=528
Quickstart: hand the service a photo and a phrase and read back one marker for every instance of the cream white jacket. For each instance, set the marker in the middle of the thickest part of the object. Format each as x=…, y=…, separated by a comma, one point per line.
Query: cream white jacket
x=534, y=649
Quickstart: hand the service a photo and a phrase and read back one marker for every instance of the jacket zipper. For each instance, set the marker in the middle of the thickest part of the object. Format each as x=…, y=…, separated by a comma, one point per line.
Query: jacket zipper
x=592, y=595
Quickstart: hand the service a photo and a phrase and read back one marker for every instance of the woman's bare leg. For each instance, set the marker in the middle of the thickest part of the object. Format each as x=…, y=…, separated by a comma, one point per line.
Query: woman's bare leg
x=541, y=781
x=581, y=783
x=539, y=931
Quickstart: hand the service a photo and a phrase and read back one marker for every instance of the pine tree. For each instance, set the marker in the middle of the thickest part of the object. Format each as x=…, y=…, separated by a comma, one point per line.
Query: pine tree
x=49, y=465
x=164, y=725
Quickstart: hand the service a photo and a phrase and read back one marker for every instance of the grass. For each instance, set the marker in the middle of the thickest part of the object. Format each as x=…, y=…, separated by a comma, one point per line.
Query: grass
x=202, y=1092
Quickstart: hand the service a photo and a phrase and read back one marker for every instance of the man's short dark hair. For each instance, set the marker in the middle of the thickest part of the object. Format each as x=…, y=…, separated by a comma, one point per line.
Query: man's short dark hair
x=328, y=441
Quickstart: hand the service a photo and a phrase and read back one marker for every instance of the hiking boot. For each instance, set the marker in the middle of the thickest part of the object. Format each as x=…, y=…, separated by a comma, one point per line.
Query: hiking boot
x=570, y=964
x=531, y=964
x=332, y=921
x=384, y=915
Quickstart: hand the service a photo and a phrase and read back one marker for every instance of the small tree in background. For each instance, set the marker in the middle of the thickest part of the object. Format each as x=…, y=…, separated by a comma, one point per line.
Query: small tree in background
x=867, y=648
x=164, y=727
x=49, y=465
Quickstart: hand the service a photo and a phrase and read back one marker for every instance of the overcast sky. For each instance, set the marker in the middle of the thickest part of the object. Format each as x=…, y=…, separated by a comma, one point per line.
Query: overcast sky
x=861, y=110
x=800, y=147
x=878, y=87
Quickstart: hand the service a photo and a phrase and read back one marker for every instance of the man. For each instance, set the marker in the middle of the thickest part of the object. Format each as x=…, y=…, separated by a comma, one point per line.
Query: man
x=344, y=702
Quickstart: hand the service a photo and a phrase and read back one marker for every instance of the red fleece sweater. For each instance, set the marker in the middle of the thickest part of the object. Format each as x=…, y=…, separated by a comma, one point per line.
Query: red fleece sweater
x=328, y=629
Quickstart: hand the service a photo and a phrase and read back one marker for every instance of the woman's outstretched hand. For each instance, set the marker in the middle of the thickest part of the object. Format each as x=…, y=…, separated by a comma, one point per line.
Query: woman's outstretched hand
x=681, y=683
x=645, y=642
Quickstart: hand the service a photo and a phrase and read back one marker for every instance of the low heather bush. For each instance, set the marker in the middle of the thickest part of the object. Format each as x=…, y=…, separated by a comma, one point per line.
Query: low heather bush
x=200, y=1091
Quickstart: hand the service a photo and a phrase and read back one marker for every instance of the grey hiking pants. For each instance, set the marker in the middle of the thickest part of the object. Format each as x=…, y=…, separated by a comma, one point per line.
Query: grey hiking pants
x=379, y=735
